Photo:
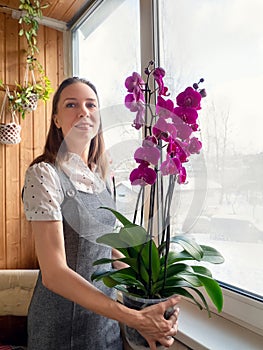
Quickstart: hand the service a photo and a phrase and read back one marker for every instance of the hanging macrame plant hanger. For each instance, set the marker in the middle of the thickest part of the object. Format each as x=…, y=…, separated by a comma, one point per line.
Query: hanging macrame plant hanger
x=9, y=127
x=31, y=104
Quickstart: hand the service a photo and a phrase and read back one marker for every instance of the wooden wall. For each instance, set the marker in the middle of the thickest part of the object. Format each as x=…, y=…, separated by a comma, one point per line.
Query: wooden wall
x=16, y=241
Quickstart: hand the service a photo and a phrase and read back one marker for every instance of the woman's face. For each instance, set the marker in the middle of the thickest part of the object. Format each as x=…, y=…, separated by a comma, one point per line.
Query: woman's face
x=78, y=114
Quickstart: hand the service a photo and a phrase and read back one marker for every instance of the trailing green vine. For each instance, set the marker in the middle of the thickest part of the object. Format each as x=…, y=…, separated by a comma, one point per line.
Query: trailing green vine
x=26, y=94
x=29, y=20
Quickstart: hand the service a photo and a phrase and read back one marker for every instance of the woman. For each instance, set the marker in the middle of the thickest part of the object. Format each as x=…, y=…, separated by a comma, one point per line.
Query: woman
x=64, y=187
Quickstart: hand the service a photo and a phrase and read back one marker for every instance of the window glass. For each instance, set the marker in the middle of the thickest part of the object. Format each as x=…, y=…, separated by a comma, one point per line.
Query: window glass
x=222, y=204
x=106, y=50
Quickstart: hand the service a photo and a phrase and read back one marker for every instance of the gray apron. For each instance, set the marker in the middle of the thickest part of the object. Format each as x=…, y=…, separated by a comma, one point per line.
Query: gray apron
x=55, y=323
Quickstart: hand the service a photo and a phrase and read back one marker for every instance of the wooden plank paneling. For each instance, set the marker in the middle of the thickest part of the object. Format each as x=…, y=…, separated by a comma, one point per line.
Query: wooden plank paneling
x=51, y=68
x=60, y=63
x=12, y=157
x=74, y=9
x=27, y=250
x=39, y=116
x=2, y=154
x=63, y=10
x=10, y=3
x=16, y=240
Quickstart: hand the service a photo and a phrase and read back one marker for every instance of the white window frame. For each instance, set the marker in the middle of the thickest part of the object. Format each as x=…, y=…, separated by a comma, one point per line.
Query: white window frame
x=238, y=309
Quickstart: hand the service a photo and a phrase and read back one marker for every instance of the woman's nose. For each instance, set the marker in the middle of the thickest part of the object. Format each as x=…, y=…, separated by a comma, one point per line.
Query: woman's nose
x=84, y=112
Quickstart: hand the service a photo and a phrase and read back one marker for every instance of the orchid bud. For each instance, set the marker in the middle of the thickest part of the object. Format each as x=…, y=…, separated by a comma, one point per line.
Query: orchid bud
x=202, y=92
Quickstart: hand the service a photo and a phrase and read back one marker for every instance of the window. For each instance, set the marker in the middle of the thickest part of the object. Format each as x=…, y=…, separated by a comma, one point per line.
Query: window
x=108, y=46
x=222, y=43
x=209, y=39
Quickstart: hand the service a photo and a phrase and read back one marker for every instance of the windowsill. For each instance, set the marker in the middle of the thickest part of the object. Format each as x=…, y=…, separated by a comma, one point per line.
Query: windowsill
x=200, y=332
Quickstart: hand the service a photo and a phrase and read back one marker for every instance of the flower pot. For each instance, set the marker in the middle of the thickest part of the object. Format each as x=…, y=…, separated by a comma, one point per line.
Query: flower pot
x=31, y=105
x=10, y=133
x=134, y=338
x=9, y=127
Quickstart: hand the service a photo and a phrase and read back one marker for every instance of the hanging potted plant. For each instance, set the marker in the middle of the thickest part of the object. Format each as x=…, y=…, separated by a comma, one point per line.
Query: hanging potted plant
x=9, y=125
x=159, y=267
x=26, y=96
x=36, y=85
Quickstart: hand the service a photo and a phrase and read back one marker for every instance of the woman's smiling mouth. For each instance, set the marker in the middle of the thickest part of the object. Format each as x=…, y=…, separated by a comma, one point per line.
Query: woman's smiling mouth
x=83, y=126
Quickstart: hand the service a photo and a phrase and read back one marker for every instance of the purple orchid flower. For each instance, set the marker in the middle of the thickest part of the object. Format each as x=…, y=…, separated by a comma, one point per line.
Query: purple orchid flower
x=136, y=106
x=170, y=126
x=150, y=155
x=178, y=148
x=135, y=84
x=163, y=130
x=181, y=178
x=158, y=75
x=150, y=141
x=164, y=108
x=189, y=98
x=188, y=114
x=195, y=145
x=184, y=130
x=170, y=166
x=143, y=175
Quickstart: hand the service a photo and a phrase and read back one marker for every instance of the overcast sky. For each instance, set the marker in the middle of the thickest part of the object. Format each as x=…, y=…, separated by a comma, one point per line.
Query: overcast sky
x=221, y=41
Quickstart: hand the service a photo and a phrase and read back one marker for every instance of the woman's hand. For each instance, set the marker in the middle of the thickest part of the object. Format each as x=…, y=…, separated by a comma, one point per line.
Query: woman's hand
x=116, y=254
x=155, y=328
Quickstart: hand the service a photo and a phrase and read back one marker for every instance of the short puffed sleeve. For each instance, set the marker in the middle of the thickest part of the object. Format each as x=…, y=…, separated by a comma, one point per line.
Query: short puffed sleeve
x=42, y=193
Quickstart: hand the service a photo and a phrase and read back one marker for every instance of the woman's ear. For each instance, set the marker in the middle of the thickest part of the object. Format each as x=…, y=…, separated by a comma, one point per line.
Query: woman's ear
x=56, y=121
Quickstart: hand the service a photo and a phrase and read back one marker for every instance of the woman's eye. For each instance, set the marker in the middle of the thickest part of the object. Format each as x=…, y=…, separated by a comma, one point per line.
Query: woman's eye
x=91, y=105
x=70, y=105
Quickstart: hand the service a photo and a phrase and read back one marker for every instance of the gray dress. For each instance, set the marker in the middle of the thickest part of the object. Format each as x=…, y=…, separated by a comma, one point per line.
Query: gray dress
x=55, y=323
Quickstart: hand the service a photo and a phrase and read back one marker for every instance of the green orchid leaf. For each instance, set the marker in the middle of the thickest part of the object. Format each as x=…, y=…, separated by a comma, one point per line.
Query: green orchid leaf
x=119, y=216
x=201, y=296
x=121, y=288
x=173, y=281
x=151, y=261
x=213, y=290
x=174, y=257
x=143, y=274
x=202, y=270
x=109, y=282
x=127, y=277
x=189, y=245
x=113, y=240
x=169, y=291
x=134, y=251
x=103, y=261
x=212, y=255
x=98, y=275
x=128, y=281
x=173, y=270
x=134, y=235
x=190, y=278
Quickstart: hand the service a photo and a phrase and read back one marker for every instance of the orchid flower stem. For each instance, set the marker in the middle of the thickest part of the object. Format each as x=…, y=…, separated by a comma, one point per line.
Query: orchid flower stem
x=151, y=210
x=162, y=209
x=150, y=232
x=114, y=188
x=137, y=205
x=169, y=196
x=142, y=206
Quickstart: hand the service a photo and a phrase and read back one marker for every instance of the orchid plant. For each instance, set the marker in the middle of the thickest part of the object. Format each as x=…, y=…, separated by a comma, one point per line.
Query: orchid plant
x=169, y=140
